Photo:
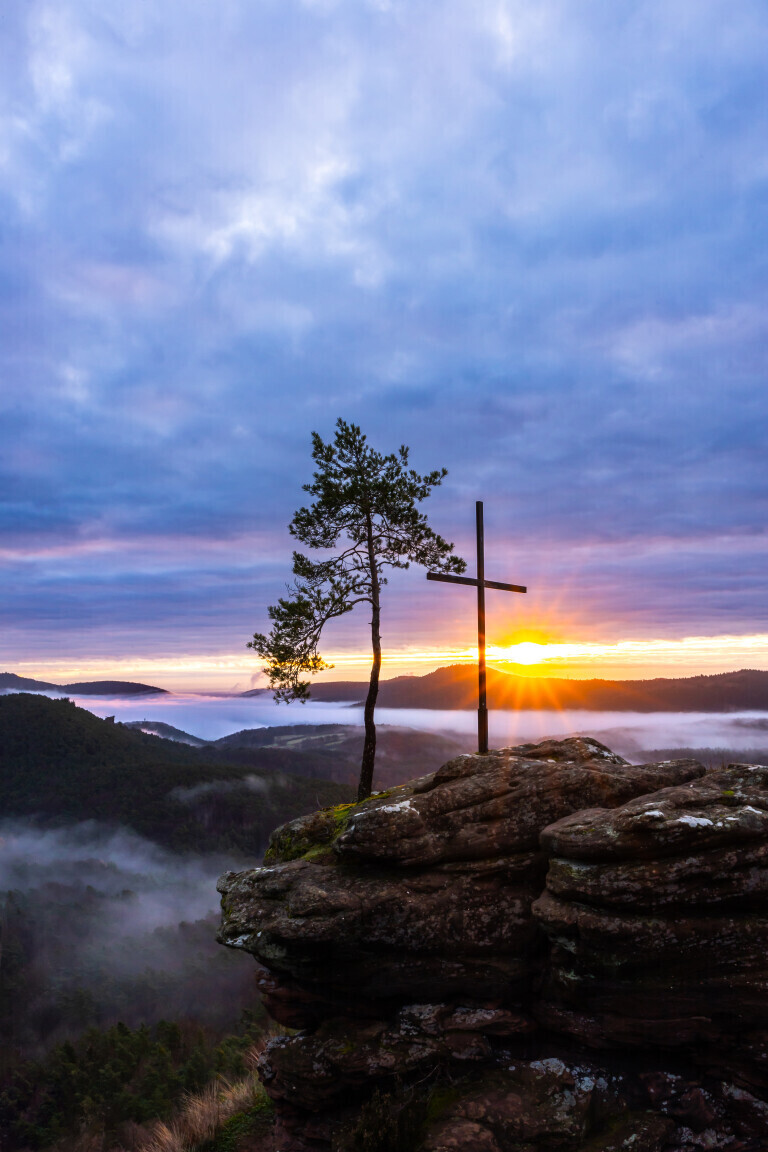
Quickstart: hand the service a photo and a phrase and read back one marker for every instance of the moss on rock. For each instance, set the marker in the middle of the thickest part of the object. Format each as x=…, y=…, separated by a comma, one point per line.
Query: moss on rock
x=309, y=835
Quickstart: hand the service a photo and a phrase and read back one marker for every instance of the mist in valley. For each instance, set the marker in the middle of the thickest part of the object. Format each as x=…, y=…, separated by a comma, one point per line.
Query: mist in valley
x=629, y=733
x=100, y=925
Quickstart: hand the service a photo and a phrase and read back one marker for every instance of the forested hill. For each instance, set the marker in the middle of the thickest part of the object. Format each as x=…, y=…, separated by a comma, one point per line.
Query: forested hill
x=10, y=682
x=456, y=687
x=59, y=762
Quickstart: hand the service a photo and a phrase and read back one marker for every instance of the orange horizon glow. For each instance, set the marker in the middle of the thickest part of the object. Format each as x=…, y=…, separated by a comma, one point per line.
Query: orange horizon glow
x=618, y=660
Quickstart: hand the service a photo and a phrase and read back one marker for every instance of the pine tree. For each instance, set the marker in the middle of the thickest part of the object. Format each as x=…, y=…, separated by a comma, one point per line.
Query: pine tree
x=365, y=508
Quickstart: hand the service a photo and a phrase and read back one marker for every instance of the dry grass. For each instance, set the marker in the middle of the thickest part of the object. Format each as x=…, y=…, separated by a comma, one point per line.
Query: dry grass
x=201, y=1115
x=197, y=1121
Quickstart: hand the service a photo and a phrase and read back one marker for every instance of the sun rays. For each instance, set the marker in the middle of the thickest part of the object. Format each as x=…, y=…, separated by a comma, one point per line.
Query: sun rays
x=522, y=654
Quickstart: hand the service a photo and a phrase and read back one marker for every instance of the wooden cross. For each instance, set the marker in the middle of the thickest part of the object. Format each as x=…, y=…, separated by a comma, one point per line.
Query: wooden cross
x=481, y=584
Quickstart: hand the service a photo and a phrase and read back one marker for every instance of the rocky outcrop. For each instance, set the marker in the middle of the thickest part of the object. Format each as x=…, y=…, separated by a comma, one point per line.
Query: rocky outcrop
x=545, y=948
x=658, y=917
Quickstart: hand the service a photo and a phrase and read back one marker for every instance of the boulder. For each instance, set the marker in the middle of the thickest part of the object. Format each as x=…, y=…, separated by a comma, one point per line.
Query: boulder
x=423, y=892
x=544, y=949
x=352, y=938
x=658, y=919
x=478, y=807
x=568, y=1105
x=530, y=1104
x=717, y=810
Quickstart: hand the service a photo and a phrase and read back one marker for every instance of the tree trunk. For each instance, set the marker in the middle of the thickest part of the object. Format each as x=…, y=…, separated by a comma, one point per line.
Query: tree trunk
x=369, y=747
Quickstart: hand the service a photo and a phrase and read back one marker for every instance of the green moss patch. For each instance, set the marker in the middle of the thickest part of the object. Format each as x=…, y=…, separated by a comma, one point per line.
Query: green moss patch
x=309, y=835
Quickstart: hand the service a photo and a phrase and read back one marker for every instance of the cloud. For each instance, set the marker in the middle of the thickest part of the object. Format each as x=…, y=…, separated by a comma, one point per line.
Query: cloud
x=524, y=238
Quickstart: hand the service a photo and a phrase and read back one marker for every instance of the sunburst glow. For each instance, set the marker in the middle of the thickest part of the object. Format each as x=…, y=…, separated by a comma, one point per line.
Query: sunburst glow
x=527, y=652
x=625, y=659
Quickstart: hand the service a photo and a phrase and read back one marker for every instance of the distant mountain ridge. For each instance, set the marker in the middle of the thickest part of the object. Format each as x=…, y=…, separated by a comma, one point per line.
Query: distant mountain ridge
x=10, y=682
x=455, y=687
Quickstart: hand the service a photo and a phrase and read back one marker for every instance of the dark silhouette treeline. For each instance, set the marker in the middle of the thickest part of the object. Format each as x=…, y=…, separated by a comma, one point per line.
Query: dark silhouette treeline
x=456, y=687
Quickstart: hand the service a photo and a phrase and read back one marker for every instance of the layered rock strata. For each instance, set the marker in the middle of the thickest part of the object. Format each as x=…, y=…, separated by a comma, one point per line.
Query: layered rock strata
x=559, y=950
x=658, y=918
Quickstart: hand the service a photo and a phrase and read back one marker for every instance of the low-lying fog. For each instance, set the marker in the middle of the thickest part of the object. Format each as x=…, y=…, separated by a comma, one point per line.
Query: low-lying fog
x=211, y=717
x=111, y=927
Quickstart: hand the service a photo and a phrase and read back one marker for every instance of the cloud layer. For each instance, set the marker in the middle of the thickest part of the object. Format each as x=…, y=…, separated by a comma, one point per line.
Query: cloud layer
x=527, y=239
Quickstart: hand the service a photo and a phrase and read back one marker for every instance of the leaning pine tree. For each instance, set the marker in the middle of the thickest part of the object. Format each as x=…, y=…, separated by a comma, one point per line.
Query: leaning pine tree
x=365, y=509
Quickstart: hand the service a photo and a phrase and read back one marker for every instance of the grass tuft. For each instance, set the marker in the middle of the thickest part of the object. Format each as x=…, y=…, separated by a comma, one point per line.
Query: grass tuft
x=215, y=1118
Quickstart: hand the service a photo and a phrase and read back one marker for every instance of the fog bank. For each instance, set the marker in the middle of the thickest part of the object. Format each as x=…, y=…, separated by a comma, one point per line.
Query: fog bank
x=212, y=717
x=109, y=927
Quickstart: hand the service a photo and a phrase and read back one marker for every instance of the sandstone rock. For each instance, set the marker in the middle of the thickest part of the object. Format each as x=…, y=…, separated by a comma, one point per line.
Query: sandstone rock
x=747, y=1113
x=342, y=1055
x=636, y=1132
x=458, y=1135
x=482, y=908
x=478, y=807
x=564, y=1106
x=736, y=876
x=658, y=918
x=719, y=810
x=349, y=937
x=742, y=1056
x=572, y=750
x=424, y=892
x=491, y=925
x=535, y=1104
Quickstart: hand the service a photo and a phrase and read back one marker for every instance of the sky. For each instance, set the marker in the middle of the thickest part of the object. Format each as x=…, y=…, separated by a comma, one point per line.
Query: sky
x=525, y=237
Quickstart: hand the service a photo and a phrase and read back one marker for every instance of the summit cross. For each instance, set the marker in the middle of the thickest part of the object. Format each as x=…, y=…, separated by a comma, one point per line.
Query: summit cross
x=481, y=584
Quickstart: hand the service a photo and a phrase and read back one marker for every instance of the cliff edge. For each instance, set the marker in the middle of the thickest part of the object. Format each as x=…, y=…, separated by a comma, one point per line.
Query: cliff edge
x=545, y=949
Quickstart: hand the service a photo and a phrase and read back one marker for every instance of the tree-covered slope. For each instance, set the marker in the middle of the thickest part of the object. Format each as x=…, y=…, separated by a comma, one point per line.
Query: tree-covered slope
x=333, y=751
x=60, y=762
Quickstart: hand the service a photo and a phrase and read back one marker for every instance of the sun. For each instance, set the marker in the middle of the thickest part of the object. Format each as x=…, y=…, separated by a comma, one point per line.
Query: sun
x=529, y=647
x=527, y=652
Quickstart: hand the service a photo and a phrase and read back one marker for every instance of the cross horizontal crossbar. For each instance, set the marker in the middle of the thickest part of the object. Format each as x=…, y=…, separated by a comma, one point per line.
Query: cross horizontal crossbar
x=475, y=583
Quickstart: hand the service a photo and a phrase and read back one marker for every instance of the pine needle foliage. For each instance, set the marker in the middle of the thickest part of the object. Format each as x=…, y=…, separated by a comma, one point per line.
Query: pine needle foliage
x=365, y=513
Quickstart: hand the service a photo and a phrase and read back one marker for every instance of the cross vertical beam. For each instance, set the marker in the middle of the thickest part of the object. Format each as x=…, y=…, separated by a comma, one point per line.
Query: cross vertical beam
x=481, y=584
x=482, y=708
